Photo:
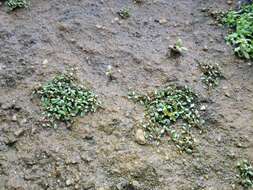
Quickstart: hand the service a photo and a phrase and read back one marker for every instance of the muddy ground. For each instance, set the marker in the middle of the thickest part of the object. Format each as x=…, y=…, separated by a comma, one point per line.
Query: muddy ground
x=99, y=152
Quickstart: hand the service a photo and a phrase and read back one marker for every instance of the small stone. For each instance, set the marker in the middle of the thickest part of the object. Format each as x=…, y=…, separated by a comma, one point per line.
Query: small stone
x=205, y=48
x=14, y=117
x=140, y=137
x=162, y=21
x=45, y=62
x=203, y=108
x=136, y=184
x=23, y=121
x=99, y=26
x=229, y=2
x=69, y=182
x=227, y=94
x=19, y=132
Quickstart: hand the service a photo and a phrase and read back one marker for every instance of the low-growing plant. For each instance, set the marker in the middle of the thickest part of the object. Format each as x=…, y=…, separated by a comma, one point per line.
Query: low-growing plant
x=163, y=108
x=177, y=48
x=124, y=13
x=62, y=99
x=211, y=74
x=14, y=4
x=245, y=174
x=183, y=140
x=241, y=23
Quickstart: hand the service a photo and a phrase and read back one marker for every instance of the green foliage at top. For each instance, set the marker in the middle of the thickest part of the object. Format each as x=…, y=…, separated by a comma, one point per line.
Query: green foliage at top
x=14, y=4
x=242, y=36
x=62, y=99
x=163, y=108
x=211, y=74
x=246, y=174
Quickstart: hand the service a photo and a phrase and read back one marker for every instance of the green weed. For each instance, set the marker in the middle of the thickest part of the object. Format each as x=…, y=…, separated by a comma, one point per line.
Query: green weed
x=164, y=108
x=246, y=174
x=211, y=74
x=177, y=49
x=241, y=22
x=124, y=13
x=62, y=99
x=14, y=4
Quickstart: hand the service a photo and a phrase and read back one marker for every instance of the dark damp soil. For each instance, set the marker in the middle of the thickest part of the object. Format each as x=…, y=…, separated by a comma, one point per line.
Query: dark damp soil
x=100, y=152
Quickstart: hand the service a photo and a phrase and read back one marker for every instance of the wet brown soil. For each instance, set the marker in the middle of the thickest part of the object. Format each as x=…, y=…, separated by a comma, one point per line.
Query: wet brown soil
x=99, y=152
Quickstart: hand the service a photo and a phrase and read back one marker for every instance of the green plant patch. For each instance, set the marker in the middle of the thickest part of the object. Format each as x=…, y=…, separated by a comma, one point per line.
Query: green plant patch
x=62, y=100
x=245, y=174
x=241, y=37
x=14, y=4
x=211, y=74
x=124, y=13
x=166, y=107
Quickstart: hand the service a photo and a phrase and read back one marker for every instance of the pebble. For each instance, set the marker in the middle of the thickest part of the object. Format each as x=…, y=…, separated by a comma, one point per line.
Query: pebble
x=69, y=182
x=203, y=108
x=162, y=21
x=140, y=137
x=229, y=2
x=19, y=132
x=14, y=117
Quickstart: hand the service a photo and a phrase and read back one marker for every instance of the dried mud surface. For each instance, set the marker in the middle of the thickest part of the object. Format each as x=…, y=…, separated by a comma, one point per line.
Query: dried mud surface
x=99, y=152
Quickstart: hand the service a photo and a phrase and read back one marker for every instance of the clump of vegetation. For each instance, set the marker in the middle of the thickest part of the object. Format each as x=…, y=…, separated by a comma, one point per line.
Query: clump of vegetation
x=163, y=108
x=241, y=22
x=246, y=174
x=14, y=4
x=124, y=13
x=177, y=49
x=211, y=74
x=183, y=139
x=62, y=99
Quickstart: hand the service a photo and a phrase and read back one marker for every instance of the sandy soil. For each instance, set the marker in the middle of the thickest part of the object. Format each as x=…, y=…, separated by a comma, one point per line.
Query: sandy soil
x=100, y=152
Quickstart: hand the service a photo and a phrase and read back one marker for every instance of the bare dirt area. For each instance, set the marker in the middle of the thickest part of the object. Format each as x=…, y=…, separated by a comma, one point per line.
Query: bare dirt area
x=100, y=152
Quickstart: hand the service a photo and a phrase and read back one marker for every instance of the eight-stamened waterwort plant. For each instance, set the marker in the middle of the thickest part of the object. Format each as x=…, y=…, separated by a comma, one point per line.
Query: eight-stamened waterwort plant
x=62, y=99
x=164, y=108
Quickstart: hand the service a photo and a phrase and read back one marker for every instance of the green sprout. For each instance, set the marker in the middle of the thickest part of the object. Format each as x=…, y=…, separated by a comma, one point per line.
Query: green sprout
x=124, y=13
x=14, y=4
x=177, y=48
x=246, y=174
x=241, y=23
x=62, y=99
x=164, y=108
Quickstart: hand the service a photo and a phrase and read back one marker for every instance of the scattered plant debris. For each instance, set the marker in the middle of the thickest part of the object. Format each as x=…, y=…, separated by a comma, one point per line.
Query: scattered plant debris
x=62, y=100
x=241, y=23
x=177, y=49
x=124, y=13
x=163, y=108
x=14, y=4
x=211, y=74
x=246, y=174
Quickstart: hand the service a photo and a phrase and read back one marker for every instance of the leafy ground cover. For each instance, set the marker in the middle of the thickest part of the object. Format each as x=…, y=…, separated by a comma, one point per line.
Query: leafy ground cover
x=62, y=99
x=164, y=108
x=241, y=37
x=246, y=174
x=14, y=4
